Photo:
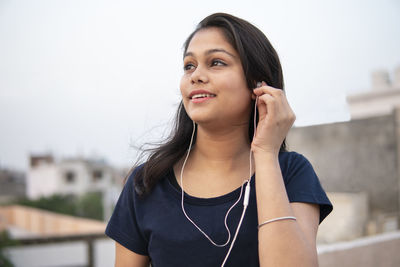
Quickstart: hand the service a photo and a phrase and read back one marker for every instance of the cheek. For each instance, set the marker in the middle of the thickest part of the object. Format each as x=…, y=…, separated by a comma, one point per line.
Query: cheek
x=183, y=89
x=183, y=86
x=243, y=95
x=240, y=88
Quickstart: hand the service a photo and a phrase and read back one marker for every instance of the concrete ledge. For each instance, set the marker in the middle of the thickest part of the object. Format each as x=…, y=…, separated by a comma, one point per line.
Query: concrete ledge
x=379, y=250
x=347, y=220
x=24, y=222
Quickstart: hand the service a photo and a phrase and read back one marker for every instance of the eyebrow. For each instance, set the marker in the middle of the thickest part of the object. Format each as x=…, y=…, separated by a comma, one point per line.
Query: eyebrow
x=211, y=51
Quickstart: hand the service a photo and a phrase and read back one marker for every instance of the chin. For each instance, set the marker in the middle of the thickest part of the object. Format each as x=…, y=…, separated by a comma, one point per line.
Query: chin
x=198, y=116
x=200, y=120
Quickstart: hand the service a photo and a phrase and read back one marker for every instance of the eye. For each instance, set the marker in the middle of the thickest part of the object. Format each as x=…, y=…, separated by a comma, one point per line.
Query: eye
x=218, y=62
x=188, y=66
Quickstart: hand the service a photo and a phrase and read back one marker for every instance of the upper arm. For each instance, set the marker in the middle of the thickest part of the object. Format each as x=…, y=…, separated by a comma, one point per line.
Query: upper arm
x=307, y=216
x=127, y=258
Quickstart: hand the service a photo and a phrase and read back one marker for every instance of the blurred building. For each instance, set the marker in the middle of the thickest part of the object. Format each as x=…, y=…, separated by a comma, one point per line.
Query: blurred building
x=358, y=162
x=382, y=99
x=12, y=185
x=74, y=176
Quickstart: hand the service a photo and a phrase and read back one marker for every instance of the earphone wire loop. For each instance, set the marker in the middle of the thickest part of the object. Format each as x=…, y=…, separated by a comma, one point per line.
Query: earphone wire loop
x=247, y=194
x=182, y=199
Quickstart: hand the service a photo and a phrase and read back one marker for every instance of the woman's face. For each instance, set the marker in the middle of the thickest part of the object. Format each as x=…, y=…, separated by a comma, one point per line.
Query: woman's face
x=213, y=86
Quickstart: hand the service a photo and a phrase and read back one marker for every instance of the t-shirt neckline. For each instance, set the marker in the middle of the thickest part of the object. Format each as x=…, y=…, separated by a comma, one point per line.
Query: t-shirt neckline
x=177, y=192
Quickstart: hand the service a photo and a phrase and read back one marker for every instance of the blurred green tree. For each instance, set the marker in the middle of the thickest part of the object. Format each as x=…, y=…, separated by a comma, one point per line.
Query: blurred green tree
x=5, y=241
x=65, y=204
x=88, y=205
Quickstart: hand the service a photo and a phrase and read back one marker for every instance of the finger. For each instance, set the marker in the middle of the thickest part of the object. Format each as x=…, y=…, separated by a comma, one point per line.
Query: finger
x=269, y=90
x=283, y=108
x=262, y=108
x=285, y=111
x=267, y=104
x=287, y=108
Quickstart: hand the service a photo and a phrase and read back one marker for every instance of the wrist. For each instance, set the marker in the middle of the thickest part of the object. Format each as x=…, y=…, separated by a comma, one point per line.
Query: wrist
x=258, y=148
x=269, y=153
x=265, y=156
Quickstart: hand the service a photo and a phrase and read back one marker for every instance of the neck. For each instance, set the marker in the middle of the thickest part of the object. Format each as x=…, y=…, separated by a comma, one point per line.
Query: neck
x=226, y=149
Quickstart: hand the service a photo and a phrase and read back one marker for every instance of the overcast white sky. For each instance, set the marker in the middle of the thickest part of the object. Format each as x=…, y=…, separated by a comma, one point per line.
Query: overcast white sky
x=93, y=78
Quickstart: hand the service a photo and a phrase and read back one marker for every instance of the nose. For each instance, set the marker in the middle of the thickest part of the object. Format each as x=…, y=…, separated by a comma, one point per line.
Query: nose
x=199, y=75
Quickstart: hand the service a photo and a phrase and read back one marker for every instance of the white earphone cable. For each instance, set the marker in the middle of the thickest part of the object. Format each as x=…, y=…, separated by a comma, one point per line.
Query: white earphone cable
x=247, y=191
x=183, y=207
x=245, y=201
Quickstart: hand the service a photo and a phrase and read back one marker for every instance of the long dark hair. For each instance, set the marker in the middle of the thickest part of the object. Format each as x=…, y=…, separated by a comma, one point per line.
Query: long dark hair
x=260, y=62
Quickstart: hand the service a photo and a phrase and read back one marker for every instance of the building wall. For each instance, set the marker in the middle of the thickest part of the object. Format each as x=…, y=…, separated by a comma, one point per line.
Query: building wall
x=374, y=103
x=354, y=156
x=75, y=176
x=42, y=181
x=81, y=180
x=381, y=99
x=379, y=250
x=341, y=224
x=46, y=223
x=12, y=185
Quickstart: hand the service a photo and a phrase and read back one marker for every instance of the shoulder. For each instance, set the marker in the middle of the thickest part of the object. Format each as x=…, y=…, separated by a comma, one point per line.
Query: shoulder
x=124, y=225
x=145, y=190
x=134, y=171
x=298, y=173
x=292, y=162
x=133, y=181
x=291, y=156
x=302, y=183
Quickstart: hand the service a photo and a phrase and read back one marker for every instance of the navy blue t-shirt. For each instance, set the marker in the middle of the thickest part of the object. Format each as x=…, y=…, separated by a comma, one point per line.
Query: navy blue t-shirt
x=156, y=226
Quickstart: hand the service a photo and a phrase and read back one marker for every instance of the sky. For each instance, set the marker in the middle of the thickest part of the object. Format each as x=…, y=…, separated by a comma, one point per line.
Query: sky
x=97, y=79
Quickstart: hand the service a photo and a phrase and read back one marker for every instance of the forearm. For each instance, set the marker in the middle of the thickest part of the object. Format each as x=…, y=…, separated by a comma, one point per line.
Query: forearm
x=281, y=243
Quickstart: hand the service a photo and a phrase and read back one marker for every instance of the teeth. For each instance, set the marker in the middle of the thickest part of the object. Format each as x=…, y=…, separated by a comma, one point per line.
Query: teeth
x=202, y=95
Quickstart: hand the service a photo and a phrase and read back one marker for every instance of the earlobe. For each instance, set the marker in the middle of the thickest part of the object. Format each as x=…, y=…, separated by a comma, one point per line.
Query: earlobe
x=254, y=96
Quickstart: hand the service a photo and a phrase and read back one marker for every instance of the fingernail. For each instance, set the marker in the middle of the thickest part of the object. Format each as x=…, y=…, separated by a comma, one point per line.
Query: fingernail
x=264, y=83
x=259, y=84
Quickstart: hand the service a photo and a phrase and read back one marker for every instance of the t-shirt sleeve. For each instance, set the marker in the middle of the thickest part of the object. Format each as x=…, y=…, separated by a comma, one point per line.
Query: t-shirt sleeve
x=123, y=225
x=302, y=185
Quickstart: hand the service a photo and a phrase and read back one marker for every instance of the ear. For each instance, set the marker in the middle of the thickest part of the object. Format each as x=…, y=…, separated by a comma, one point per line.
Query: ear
x=256, y=85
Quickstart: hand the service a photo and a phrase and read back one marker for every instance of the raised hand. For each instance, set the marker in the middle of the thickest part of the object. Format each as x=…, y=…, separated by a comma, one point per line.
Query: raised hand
x=275, y=119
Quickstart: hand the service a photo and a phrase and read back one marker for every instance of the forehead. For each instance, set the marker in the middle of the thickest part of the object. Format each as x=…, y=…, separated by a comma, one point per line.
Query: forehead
x=209, y=38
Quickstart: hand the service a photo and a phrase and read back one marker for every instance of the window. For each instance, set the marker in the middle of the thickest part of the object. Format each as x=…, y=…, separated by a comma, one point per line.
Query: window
x=97, y=175
x=70, y=177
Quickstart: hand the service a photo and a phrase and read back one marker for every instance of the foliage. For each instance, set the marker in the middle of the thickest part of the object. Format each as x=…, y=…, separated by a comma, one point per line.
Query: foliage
x=5, y=241
x=89, y=205
x=65, y=204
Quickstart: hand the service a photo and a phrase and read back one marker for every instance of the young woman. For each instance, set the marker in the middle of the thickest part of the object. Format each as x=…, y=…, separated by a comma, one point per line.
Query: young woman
x=223, y=190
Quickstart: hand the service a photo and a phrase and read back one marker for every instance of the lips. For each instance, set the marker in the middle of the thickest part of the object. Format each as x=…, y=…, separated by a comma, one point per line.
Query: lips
x=199, y=94
x=202, y=96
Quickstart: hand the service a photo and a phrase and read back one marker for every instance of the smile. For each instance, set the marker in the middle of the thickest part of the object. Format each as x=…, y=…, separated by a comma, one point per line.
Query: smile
x=200, y=98
x=197, y=96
